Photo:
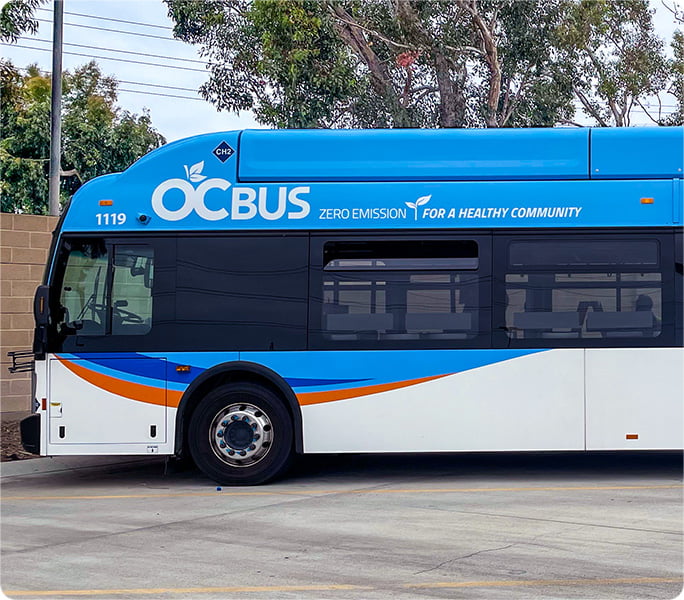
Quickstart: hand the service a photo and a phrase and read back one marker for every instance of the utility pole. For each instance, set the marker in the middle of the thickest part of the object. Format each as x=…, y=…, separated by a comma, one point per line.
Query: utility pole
x=56, y=108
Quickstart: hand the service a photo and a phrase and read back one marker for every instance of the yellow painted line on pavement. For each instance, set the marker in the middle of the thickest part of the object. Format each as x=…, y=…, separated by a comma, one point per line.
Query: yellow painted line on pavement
x=353, y=491
x=344, y=587
x=546, y=582
x=198, y=590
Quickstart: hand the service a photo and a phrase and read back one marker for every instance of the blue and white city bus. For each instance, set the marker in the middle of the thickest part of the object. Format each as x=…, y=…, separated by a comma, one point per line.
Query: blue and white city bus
x=248, y=296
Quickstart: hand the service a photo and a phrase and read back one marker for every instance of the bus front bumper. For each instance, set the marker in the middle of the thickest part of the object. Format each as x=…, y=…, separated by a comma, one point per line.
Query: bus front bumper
x=30, y=433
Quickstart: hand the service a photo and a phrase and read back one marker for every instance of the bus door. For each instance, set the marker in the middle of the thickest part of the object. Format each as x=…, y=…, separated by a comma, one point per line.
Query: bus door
x=101, y=389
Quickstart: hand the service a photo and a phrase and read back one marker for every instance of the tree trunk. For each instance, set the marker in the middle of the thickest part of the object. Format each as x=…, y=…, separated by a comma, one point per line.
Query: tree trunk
x=380, y=77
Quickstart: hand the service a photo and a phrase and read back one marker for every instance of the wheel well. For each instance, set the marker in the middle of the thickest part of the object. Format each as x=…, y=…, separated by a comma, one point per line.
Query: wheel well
x=229, y=373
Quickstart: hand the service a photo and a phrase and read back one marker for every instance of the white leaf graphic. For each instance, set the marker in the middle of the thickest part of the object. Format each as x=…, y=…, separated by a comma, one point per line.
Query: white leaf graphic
x=423, y=200
x=194, y=173
x=410, y=205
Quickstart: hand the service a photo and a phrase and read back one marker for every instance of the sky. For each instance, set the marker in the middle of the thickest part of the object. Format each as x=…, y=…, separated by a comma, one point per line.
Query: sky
x=175, y=113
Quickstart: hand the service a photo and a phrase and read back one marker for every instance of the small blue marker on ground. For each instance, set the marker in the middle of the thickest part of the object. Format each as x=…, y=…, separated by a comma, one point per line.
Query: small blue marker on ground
x=218, y=489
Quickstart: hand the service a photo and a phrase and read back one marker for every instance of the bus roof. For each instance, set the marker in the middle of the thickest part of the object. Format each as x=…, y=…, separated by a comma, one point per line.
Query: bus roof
x=460, y=154
x=321, y=179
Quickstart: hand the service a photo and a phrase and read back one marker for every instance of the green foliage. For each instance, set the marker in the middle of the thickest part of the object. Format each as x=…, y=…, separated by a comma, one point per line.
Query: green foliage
x=330, y=63
x=97, y=136
x=614, y=57
x=419, y=63
x=16, y=18
x=677, y=81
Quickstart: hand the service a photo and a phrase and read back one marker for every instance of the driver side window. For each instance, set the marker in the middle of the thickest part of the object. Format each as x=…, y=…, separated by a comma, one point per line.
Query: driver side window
x=132, y=290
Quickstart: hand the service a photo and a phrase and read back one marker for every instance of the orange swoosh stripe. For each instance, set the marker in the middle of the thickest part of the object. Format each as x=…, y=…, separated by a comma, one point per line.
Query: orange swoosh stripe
x=127, y=389
x=308, y=398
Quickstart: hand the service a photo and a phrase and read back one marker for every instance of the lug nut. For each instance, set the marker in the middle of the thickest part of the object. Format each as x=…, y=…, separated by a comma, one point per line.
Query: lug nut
x=222, y=444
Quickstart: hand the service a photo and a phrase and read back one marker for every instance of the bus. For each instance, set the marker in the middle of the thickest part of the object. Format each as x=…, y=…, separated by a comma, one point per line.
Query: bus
x=244, y=297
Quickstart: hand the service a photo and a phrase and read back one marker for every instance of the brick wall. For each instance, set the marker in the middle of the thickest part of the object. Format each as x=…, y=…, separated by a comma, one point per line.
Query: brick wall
x=24, y=245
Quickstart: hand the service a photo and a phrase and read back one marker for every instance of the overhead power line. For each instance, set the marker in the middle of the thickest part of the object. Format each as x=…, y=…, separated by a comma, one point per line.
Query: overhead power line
x=159, y=94
x=124, y=60
x=147, y=35
x=190, y=60
x=75, y=14
x=152, y=85
x=157, y=85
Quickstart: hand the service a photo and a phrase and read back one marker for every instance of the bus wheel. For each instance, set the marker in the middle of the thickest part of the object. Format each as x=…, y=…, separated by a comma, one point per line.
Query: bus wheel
x=241, y=434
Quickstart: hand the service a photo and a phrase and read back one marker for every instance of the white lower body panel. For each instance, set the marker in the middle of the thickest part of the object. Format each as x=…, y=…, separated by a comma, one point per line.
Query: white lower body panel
x=534, y=402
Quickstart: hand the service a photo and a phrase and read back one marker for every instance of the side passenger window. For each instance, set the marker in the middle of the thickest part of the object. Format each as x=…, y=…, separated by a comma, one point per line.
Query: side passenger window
x=403, y=292
x=588, y=289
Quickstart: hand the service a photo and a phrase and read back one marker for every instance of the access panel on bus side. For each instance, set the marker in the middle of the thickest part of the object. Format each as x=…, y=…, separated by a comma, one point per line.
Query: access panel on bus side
x=405, y=364
x=107, y=400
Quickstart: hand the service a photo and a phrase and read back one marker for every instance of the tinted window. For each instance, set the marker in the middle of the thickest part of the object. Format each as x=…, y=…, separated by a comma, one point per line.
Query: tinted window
x=596, y=290
x=133, y=276
x=578, y=253
x=105, y=289
x=403, y=293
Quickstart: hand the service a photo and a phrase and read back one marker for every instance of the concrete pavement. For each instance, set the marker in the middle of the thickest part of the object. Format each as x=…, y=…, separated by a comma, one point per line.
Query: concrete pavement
x=437, y=526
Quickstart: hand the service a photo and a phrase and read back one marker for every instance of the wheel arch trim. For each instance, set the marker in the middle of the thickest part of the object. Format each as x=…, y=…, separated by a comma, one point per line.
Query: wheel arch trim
x=255, y=373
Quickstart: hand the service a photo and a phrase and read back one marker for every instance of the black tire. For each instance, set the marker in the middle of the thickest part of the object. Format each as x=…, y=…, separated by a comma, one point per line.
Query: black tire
x=224, y=418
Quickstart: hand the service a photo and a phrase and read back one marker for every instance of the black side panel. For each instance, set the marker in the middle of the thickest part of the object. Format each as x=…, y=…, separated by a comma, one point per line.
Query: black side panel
x=242, y=293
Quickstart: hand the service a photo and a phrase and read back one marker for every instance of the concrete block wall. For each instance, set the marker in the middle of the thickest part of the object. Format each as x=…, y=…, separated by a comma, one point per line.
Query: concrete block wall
x=24, y=245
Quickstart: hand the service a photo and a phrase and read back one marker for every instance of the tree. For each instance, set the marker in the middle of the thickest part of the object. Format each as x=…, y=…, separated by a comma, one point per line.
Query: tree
x=16, y=18
x=396, y=63
x=677, y=82
x=615, y=60
x=97, y=136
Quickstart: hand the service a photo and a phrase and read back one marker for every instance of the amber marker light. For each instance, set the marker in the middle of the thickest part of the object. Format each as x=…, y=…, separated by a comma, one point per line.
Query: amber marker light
x=632, y=436
x=183, y=368
x=647, y=200
x=43, y=403
x=106, y=202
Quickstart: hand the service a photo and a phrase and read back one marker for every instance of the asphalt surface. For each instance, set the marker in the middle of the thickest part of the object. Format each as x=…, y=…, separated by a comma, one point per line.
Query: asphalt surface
x=436, y=526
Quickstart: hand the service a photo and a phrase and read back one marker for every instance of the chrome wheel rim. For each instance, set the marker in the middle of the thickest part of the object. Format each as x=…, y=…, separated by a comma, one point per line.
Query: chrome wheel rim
x=241, y=434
